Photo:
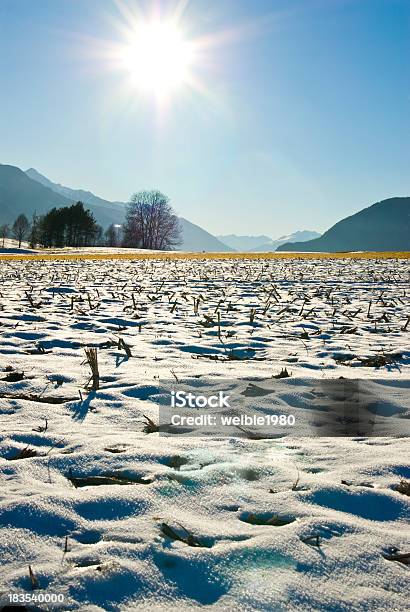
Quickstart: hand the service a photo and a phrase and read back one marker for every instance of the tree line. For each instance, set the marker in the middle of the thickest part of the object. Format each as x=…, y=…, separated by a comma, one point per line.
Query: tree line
x=150, y=223
x=68, y=226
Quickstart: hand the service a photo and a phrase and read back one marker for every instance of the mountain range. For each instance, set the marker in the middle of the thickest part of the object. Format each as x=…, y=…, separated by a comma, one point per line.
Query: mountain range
x=384, y=226
x=243, y=243
x=264, y=244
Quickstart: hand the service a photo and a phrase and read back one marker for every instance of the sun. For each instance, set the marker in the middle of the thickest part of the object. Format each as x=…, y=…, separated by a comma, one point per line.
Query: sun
x=158, y=58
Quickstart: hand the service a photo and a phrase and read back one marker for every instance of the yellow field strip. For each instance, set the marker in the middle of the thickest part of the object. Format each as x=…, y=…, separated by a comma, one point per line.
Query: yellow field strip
x=172, y=256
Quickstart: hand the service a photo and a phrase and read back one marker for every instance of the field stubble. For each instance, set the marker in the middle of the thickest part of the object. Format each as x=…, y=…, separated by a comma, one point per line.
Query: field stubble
x=109, y=513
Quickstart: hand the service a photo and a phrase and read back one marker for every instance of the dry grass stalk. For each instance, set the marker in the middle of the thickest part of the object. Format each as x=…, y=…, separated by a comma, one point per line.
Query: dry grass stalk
x=92, y=360
x=274, y=521
x=400, y=557
x=313, y=540
x=14, y=377
x=106, y=480
x=25, y=453
x=189, y=539
x=282, y=374
x=403, y=487
x=33, y=579
x=40, y=428
x=125, y=347
x=404, y=328
x=175, y=376
x=150, y=426
x=296, y=483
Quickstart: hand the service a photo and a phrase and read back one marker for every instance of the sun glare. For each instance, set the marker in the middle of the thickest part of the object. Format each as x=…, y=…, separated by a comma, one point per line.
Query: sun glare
x=158, y=58
x=159, y=55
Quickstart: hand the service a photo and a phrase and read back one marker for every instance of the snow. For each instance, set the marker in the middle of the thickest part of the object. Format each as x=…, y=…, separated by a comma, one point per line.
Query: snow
x=251, y=507
x=11, y=247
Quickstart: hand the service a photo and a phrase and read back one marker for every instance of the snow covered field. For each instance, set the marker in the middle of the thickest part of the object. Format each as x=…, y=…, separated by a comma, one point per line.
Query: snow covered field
x=111, y=515
x=11, y=247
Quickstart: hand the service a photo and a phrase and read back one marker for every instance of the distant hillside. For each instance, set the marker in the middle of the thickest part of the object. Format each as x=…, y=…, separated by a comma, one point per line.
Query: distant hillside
x=19, y=194
x=263, y=244
x=106, y=212
x=384, y=226
x=29, y=192
x=272, y=245
x=197, y=239
x=194, y=237
x=243, y=243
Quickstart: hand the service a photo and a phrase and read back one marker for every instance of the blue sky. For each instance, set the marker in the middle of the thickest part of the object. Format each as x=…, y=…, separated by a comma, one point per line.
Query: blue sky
x=303, y=118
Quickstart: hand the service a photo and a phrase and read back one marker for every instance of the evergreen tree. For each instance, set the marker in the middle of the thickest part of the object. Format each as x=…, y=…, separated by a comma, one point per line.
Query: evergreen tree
x=72, y=226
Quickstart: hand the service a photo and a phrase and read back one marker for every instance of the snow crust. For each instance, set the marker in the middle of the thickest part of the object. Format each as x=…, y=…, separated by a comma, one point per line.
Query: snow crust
x=104, y=546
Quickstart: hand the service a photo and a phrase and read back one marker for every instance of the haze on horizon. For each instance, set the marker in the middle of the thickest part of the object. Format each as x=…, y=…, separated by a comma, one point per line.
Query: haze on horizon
x=265, y=118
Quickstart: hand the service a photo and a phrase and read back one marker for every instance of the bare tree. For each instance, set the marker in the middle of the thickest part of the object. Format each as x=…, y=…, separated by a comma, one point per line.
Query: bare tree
x=21, y=228
x=97, y=239
x=34, y=230
x=4, y=232
x=151, y=222
x=111, y=236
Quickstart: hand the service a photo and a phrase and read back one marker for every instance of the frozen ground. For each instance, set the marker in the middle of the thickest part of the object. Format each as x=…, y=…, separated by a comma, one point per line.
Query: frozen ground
x=11, y=247
x=95, y=503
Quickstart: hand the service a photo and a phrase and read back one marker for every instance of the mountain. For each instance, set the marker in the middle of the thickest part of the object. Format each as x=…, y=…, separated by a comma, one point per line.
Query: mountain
x=105, y=212
x=272, y=245
x=72, y=194
x=197, y=239
x=384, y=226
x=20, y=194
x=194, y=237
x=264, y=244
x=243, y=243
x=29, y=192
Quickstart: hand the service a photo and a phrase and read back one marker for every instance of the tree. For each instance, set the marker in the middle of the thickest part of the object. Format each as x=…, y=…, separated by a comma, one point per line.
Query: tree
x=68, y=226
x=98, y=236
x=111, y=236
x=4, y=232
x=33, y=238
x=151, y=222
x=21, y=228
